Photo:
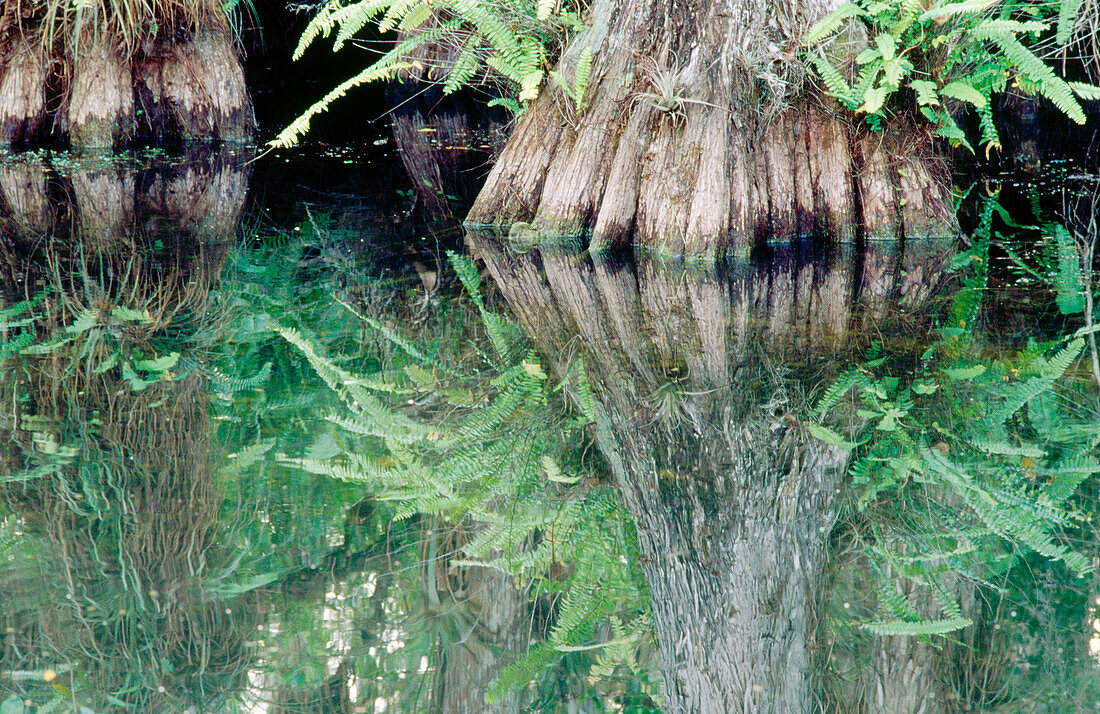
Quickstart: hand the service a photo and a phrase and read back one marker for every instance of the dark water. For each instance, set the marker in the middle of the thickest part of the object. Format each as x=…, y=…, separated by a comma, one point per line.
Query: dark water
x=265, y=450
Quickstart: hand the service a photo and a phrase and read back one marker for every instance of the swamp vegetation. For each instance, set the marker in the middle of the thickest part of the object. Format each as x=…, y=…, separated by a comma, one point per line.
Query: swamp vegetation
x=281, y=435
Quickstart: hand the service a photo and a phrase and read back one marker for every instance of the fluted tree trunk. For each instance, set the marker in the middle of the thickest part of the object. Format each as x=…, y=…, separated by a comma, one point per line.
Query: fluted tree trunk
x=23, y=70
x=701, y=136
x=102, y=76
x=733, y=502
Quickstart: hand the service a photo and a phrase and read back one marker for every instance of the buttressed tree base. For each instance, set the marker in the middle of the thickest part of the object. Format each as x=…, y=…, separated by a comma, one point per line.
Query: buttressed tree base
x=700, y=135
x=101, y=77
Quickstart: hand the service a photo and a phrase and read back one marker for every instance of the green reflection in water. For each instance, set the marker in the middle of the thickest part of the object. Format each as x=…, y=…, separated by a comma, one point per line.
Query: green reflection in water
x=313, y=489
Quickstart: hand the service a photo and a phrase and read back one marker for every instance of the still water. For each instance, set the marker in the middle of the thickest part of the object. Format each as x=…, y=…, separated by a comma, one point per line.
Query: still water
x=278, y=437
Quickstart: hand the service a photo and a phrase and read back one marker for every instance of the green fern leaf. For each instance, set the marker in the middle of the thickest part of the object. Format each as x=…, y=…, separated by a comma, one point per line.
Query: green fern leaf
x=13, y=311
x=464, y=68
x=1067, y=20
x=962, y=90
x=351, y=20
x=396, y=12
x=905, y=628
x=1088, y=92
x=834, y=81
x=831, y=23
x=1033, y=68
x=16, y=344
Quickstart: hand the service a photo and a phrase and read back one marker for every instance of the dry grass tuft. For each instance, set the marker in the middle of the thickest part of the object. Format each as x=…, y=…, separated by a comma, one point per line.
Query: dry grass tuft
x=74, y=27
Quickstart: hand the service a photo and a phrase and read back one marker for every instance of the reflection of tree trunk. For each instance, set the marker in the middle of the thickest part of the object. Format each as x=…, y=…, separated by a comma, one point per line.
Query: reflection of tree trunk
x=701, y=166
x=197, y=197
x=501, y=617
x=24, y=205
x=331, y=697
x=104, y=204
x=732, y=501
x=129, y=515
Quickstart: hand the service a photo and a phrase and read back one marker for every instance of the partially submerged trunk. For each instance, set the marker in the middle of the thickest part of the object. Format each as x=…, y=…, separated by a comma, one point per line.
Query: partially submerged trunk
x=698, y=137
x=733, y=501
x=23, y=71
x=194, y=90
x=101, y=100
x=82, y=81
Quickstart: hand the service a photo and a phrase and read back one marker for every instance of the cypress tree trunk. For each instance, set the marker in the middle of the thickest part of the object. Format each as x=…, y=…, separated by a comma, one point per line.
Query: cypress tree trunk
x=101, y=100
x=23, y=68
x=194, y=90
x=698, y=137
x=115, y=79
x=733, y=501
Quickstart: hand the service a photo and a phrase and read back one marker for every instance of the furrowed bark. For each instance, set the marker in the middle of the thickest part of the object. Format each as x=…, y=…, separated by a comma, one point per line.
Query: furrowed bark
x=23, y=70
x=684, y=146
x=101, y=100
x=194, y=90
x=733, y=501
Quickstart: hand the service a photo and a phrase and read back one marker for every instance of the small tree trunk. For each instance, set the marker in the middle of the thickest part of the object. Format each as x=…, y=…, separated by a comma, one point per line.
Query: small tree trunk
x=684, y=146
x=101, y=100
x=195, y=90
x=23, y=68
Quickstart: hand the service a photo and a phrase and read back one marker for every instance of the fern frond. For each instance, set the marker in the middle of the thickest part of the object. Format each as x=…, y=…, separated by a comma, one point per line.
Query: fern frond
x=296, y=129
x=585, y=399
x=351, y=20
x=464, y=67
x=321, y=24
x=502, y=40
x=907, y=628
x=964, y=91
x=838, y=389
x=1067, y=20
x=1018, y=394
x=16, y=344
x=13, y=311
x=991, y=138
x=834, y=81
x=224, y=383
x=1004, y=448
x=831, y=23
x=1088, y=92
x=1032, y=67
x=1063, y=479
x=386, y=67
x=395, y=14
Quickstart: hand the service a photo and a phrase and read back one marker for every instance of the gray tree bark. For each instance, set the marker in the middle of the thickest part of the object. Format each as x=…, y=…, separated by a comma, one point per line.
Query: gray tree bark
x=700, y=137
x=733, y=502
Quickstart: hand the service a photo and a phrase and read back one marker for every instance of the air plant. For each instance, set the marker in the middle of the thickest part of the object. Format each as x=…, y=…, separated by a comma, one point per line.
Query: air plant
x=665, y=95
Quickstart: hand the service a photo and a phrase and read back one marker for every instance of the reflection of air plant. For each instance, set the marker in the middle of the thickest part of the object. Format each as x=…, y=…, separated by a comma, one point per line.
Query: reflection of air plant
x=668, y=404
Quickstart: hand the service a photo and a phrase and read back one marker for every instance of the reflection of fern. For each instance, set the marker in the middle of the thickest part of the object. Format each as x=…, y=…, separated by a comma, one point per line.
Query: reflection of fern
x=976, y=448
x=226, y=383
x=498, y=462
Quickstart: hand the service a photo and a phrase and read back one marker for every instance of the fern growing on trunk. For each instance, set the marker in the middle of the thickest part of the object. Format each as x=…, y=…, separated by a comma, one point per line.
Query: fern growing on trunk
x=962, y=51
